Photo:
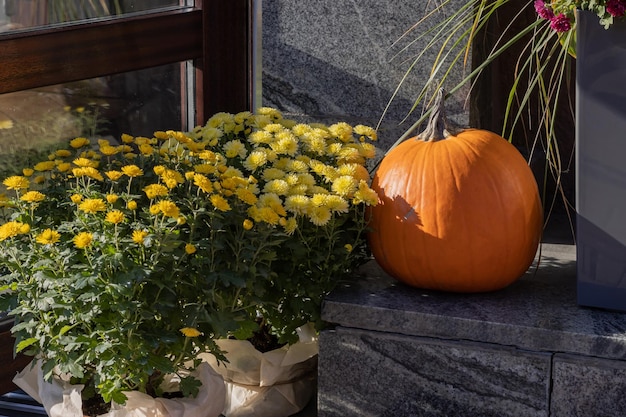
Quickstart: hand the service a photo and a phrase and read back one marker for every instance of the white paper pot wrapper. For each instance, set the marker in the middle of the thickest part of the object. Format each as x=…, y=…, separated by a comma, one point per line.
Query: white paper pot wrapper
x=61, y=399
x=277, y=383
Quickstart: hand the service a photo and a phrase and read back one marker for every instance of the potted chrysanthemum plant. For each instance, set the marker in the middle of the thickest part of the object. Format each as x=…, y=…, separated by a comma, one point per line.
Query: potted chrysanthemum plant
x=125, y=262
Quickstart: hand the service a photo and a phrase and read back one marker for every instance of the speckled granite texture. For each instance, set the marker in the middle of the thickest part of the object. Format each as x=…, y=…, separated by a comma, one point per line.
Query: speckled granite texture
x=335, y=60
x=528, y=350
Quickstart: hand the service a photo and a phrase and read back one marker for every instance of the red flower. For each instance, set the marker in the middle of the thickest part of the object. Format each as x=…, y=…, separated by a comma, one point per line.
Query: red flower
x=560, y=23
x=616, y=7
x=543, y=11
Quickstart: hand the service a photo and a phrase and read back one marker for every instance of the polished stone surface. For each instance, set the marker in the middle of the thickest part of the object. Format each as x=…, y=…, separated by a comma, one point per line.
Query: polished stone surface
x=337, y=60
x=587, y=387
x=527, y=350
x=380, y=374
x=539, y=312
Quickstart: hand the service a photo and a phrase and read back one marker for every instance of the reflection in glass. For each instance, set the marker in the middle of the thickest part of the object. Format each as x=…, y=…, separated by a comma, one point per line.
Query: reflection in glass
x=139, y=103
x=22, y=14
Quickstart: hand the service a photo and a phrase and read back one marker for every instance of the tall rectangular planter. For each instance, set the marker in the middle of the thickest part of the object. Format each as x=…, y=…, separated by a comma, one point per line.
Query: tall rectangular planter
x=601, y=162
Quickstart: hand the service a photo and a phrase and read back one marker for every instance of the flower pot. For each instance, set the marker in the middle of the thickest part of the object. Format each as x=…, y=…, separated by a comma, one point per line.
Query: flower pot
x=61, y=399
x=600, y=166
x=278, y=383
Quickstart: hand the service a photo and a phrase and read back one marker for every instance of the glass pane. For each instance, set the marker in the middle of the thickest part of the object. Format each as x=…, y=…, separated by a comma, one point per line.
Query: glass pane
x=24, y=14
x=35, y=121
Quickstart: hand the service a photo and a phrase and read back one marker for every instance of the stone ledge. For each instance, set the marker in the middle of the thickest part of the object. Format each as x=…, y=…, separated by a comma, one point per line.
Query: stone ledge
x=539, y=312
x=526, y=351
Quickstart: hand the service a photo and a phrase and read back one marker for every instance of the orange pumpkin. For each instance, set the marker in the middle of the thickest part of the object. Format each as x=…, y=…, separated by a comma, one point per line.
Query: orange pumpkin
x=457, y=213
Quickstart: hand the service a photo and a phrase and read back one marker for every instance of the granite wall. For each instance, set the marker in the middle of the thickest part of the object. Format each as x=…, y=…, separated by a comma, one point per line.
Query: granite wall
x=332, y=60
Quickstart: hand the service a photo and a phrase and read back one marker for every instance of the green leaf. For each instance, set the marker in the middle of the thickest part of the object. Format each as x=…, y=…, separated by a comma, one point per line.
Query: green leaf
x=190, y=386
x=64, y=330
x=25, y=343
x=246, y=330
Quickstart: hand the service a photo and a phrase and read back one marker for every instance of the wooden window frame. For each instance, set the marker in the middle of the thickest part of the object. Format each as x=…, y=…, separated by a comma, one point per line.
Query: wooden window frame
x=216, y=35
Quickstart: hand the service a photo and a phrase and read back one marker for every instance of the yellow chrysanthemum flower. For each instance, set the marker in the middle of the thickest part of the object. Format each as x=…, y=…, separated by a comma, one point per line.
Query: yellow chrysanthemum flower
x=319, y=215
x=267, y=215
x=358, y=171
x=126, y=138
x=64, y=167
x=273, y=174
x=44, y=166
x=190, y=332
x=316, y=145
x=362, y=130
x=291, y=179
x=76, y=198
x=367, y=150
x=139, y=236
x=79, y=143
x=6, y=124
x=168, y=208
x=113, y=175
x=234, y=148
x=172, y=178
x=348, y=247
x=16, y=182
x=204, y=168
x=132, y=171
x=39, y=179
x=337, y=204
x=48, y=237
x=62, y=153
x=90, y=172
x=203, y=183
x=190, y=249
x=159, y=169
x=156, y=190
x=109, y=150
x=146, y=149
x=344, y=185
x=219, y=202
x=28, y=172
x=254, y=160
x=342, y=130
x=365, y=195
x=248, y=224
x=280, y=187
x=285, y=144
x=334, y=148
x=350, y=153
x=82, y=240
x=141, y=140
x=297, y=204
x=246, y=195
x=114, y=216
x=92, y=205
x=270, y=112
x=297, y=165
x=33, y=197
x=12, y=229
x=290, y=225
x=112, y=198
x=84, y=162
x=319, y=199
x=131, y=205
x=260, y=137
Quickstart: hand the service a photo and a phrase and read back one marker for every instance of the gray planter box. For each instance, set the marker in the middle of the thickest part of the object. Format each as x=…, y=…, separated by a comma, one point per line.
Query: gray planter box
x=601, y=163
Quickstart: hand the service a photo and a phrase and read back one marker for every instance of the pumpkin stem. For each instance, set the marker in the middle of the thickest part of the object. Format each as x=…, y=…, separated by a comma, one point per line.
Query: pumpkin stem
x=437, y=127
